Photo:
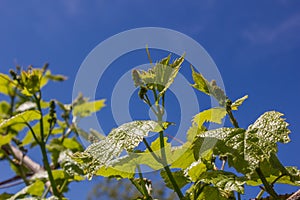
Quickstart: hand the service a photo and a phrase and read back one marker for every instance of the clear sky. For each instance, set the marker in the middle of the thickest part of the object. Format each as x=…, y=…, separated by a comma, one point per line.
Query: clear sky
x=255, y=45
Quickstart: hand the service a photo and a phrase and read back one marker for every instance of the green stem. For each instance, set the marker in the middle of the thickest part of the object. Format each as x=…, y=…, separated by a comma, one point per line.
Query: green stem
x=267, y=186
x=239, y=196
x=166, y=166
x=42, y=145
x=164, y=158
x=32, y=132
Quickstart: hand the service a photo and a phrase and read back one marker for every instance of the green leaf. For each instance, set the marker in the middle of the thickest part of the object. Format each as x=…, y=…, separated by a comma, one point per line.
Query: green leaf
x=212, y=193
x=226, y=181
x=209, y=88
x=5, y=195
x=123, y=167
x=7, y=85
x=72, y=144
x=4, y=110
x=60, y=174
x=179, y=177
x=272, y=170
x=238, y=102
x=24, y=117
x=5, y=139
x=28, y=105
x=35, y=189
x=195, y=170
x=203, y=191
x=211, y=115
x=125, y=137
x=246, y=149
x=193, y=131
x=31, y=80
x=159, y=77
x=170, y=74
x=183, y=156
x=87, y=108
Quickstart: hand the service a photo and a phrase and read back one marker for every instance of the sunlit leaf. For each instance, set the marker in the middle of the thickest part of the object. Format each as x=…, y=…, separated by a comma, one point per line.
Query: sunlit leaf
x=211, y=115
x=4, y=110
x=209, y=88
x=24, y=117
x=5, y=139
x=35, y=189
x=247, y=148
x=87, y=108
x=159, y=77
x=6, y=85
x=238, y=102
x=223, y=180
x=26, y=106
x=125, y=137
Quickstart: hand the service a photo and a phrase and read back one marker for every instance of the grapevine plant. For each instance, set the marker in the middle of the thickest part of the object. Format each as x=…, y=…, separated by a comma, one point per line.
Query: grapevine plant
x=191, y=169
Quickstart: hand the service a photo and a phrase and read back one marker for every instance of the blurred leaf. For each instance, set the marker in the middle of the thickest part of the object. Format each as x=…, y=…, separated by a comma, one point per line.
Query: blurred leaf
x=72, y=144
x=238, y=102
x=56, y=77
x=5, y=195
x=7, y=85
x=87, y=108
x=4, y=110
x=5, y=139
x=35, y=189
x=26, y=106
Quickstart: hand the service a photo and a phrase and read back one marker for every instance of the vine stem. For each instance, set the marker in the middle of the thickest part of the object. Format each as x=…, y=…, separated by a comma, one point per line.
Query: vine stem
x=163, y=153
x=267, y=186
x=163, y=160
x=42, y=145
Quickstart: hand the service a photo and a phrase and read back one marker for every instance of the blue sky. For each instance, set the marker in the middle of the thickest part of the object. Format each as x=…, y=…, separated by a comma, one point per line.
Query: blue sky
x=255, y=44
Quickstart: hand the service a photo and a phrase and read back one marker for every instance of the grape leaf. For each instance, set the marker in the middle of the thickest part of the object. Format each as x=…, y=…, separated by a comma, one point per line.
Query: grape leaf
x=247, y=148
x=226, y=181
x=209, y=88
x=24, y=117
x=125, y=137
x=211, y=115
x=159, y=77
